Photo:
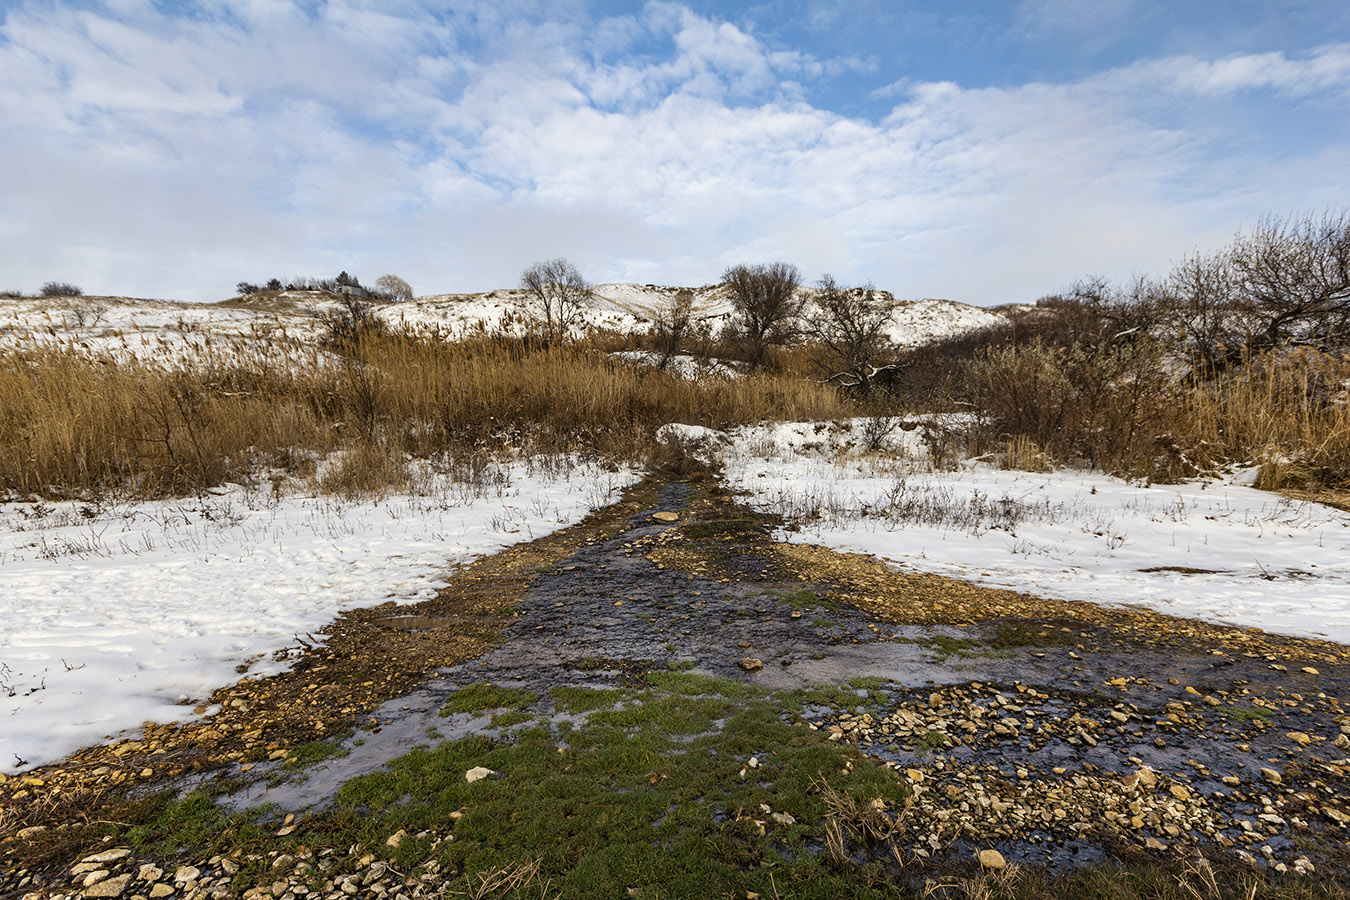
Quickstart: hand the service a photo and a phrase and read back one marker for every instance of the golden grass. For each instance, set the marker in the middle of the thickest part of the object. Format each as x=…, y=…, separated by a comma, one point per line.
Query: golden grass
x=74, y=423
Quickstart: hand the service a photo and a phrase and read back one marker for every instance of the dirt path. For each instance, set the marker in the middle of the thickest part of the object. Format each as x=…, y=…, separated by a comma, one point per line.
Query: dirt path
x=1058, y=733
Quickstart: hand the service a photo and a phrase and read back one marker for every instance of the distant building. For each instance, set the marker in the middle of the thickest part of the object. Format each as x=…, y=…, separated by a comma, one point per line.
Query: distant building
x=354, y=289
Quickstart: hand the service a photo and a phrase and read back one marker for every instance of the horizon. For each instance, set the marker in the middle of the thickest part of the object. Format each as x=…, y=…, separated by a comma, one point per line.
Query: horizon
x=955, y=151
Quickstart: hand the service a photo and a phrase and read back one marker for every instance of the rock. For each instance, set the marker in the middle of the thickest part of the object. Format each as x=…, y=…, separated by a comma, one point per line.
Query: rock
x=1309, y=670
x=1180, y=792
x=187, y=873
x=1299, y=737
x=111, y=887
x=160, y=890
x=664, y=516
x=477, y=773
x=751, y=664
x=1272, y=776
x=106, y=856
x=31, y=831
x=783, y=818
x=1153, y=843
x=396, y=839
x=991, y=859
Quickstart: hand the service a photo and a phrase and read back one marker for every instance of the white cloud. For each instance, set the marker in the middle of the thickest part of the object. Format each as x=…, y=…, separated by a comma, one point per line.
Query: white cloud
x=178, y=156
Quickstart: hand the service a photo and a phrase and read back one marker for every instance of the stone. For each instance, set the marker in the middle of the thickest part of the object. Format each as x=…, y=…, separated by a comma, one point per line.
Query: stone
x=1272, y=776
x=664, y=516
x=111, y=887
x=783, y=818
x=991, y=859
x=187, y=873
x=396, y=839
x=160, y=890
x=751, y=664
x=1153, y=843
x=477, y=773
x=1309, y=670
x=1299, y=737
x=107, y=856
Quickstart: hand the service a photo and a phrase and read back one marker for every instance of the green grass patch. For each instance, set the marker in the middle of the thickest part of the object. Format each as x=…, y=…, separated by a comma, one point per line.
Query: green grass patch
x=567, y=699
x=509, y=718
x=483, y=696
x=857, y=695
x=1247, y=713
x=316, y=752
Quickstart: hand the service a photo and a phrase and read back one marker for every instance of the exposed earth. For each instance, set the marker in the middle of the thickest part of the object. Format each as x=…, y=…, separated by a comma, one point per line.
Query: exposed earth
x=1017, y=731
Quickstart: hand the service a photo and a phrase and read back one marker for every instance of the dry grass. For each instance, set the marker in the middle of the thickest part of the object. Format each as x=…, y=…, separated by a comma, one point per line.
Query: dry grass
x=1117, y=409
x=74, y=423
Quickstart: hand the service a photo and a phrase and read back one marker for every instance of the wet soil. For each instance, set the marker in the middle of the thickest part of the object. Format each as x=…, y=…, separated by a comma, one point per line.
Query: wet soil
x=1091, y=694
x=1058, y=732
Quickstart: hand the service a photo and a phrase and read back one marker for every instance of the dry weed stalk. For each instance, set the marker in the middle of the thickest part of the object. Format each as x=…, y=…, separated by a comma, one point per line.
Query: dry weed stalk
x=512, y=878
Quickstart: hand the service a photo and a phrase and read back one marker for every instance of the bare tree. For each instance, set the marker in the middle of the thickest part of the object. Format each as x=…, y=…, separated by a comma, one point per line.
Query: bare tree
x=60, y=289
x=1286, y=282
x=850, y=324
x=394, y=288
x=765, y=305
x=555, y=297
x=1293, y=277
x=672, y=324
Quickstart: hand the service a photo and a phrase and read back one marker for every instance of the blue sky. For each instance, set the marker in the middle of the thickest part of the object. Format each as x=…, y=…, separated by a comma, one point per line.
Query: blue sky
x=988, y=152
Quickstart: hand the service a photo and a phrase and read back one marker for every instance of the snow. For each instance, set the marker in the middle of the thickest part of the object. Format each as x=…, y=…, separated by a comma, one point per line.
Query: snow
x=1213, y=549
x=123, y=614
x=923, y=321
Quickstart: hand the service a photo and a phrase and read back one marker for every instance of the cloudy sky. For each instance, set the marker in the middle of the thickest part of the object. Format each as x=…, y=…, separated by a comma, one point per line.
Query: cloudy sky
x=982, y=151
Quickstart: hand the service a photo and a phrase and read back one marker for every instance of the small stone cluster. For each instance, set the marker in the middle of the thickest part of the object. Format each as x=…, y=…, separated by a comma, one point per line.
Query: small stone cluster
x=300, y=874
x=975, y=799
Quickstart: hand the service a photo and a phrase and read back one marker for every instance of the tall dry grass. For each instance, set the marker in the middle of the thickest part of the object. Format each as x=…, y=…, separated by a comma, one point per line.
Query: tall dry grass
x=1119, y=409
x=75, y=423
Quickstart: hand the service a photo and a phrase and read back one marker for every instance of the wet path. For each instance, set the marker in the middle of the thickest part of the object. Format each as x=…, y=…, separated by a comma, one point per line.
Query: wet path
x=1055, y=745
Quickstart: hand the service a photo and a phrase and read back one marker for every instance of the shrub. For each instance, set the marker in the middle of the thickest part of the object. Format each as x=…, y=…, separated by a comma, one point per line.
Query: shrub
x=61, y=289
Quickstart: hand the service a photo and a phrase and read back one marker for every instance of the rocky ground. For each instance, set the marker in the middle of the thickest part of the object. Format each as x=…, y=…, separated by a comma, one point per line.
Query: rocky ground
x=1048, y=734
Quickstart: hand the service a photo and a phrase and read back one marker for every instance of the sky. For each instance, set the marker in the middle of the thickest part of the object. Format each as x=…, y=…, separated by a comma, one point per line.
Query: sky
x=987, y=152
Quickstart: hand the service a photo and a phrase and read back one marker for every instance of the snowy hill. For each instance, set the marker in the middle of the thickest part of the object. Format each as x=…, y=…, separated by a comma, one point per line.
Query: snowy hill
x=149, y=328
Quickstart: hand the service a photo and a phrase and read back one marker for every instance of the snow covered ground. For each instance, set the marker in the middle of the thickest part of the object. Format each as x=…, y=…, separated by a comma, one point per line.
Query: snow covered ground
x=118, y=615
x=1215, y=549
x=167, y=330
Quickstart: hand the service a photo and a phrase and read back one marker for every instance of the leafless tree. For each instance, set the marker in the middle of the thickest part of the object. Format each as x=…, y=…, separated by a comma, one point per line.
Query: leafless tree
x=1293, y=277
x=672, y=324
x=556, y=295
x=765, y=305
x=60, y=289
x=1285, y=282
x=84, y=312
x=850, y=324
x=394, y=288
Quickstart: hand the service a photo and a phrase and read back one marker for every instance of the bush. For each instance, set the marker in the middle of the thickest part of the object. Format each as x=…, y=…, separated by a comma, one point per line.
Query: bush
x=61, y=289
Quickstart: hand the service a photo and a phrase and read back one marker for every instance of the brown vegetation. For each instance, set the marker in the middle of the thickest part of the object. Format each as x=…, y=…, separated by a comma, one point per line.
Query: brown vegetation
x=76, y=424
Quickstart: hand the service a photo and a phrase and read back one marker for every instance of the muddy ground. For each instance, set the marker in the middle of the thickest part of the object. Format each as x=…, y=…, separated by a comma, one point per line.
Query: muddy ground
x=1059, y=733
